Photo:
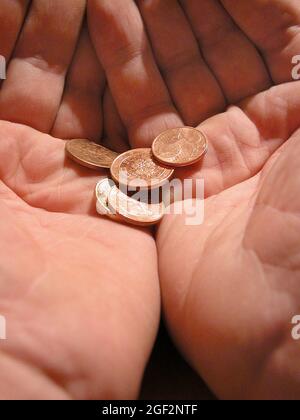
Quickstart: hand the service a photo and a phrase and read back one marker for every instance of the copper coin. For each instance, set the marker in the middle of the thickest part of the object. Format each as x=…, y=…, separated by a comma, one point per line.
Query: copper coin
x=132, y=211
x=89, y=154
x=180, y=146
x=137, y=169
x=103, y=189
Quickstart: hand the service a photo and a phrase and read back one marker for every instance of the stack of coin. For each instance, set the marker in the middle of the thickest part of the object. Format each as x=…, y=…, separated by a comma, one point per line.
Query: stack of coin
x=136, y=170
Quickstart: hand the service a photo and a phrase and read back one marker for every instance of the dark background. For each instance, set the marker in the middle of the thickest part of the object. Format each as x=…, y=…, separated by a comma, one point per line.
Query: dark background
x=169, y=377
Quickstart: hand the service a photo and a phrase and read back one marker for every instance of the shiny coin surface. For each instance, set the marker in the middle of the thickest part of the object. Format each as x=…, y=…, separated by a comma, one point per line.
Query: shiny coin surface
x=103, y=189
x=137, y=169
x=89, y=154
x=133, y=211
x=180, y=146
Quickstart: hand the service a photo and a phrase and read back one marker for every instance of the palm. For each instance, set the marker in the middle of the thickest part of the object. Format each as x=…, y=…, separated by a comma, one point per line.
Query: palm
x=230, y=297
x=230, y=285
x=82, y=307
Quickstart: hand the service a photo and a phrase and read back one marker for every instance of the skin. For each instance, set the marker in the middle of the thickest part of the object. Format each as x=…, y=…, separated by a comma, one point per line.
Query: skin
x=230, y=285
x=82, y=305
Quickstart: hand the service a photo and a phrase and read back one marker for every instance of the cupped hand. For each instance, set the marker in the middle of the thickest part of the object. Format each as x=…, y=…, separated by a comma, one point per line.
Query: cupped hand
x=230, y=285
x=80, y=293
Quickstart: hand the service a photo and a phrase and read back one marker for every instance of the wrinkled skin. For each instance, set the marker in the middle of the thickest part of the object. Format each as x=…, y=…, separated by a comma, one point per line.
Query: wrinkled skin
x=230, y=286
x=81, y=293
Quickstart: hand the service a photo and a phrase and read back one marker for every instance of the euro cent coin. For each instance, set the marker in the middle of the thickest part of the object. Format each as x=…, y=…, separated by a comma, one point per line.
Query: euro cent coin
x=180, y=147
x=132, y=211
x=137, y=169
x=89, y=154
x=103, y=189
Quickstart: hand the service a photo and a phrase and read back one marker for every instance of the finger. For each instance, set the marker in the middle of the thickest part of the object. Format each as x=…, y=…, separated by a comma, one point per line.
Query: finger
x=194, y=89
x=141, y=97
x=32, y=92
x=233, y=59
x=274, y=27
x=80, y=113
x=115, y=136
x=242, y=139
x=12, y=14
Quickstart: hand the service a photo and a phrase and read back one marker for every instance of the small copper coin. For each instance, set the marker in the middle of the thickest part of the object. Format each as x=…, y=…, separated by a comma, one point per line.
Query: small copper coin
x=137, y=169
x=132, y=211
x=180, y=146
x=89, y=154
x=103, y=189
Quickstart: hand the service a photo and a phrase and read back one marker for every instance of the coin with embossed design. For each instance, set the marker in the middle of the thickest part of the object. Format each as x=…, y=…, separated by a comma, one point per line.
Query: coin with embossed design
x=180, y=146
x=133, y=211
x=137, y=169
x=103, y=189
x=89, y=154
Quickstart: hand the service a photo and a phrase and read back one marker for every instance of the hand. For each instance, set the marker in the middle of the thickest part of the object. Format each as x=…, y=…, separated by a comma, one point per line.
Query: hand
x=80, y=293
x=229, y=286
